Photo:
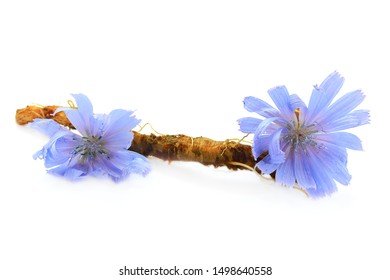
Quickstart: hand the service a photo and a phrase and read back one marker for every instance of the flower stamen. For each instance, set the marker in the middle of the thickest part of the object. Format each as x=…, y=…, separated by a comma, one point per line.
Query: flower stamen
x=90, y=147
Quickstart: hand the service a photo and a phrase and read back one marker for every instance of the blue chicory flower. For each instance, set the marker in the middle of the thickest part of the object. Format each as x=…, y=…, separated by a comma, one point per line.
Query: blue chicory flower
x=306, y=144
x=100, y=148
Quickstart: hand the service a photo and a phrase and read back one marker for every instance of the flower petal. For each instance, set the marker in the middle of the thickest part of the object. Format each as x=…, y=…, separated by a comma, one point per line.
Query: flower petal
x=59, y=151
x=258, y=146
x=325, y=185
x=264, y=125
x=323, y=95
x=342, y=106
x=285, y=174
x=266, y=165
x=77, y=121
x=353, y=119
x=119, y=121
x=80, y=117
x=46, y=126
x=248, y=124
x=336, y=166
x=69, y=172
x=276, y=154
x=138, y=164
x=253, y=104
x=84, y=105
x=296, y=102
x=122, y=163
x=302, y=170
x=117, y=132
x=97, y=125
x=281, y=98
x=53, y=152
x=343, y=139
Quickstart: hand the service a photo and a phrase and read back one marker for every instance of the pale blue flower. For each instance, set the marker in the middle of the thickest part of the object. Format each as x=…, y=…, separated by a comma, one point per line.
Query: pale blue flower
x=306, y=144
x=100, y=148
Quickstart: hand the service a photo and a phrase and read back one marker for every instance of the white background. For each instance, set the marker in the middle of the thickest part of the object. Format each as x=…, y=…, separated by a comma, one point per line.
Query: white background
x=186, y=66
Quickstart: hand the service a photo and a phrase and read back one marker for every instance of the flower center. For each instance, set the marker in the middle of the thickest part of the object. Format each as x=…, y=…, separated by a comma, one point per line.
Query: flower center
x=300, y=135
x=90, y=147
